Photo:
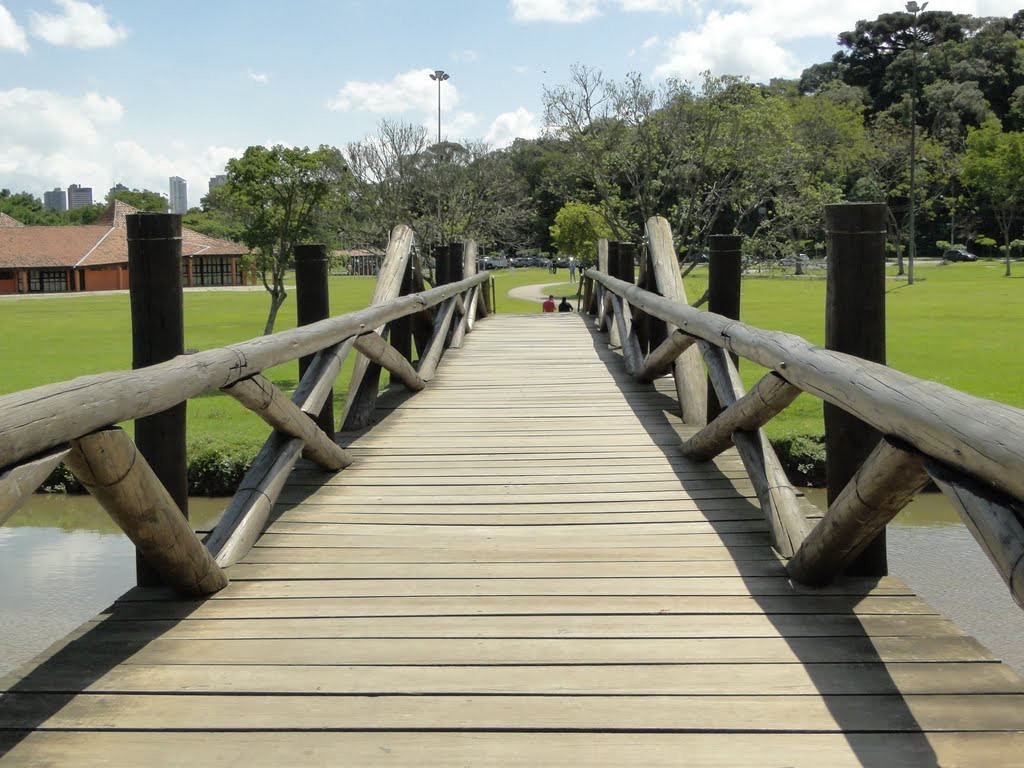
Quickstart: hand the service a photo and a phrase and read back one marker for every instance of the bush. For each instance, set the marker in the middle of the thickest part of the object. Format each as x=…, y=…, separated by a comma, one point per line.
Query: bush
x=214, y=469
x=803, y=458
x=217, y=469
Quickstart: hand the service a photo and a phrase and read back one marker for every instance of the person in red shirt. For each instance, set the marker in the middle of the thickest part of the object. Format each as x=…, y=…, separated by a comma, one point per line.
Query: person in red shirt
x=549, y=305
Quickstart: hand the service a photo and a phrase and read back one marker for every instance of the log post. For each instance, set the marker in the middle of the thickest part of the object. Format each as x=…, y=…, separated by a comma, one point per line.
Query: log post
x=109, y=464
x=448, y=263
x=769, y=397
x=993, y=518
x=312, y=303
x=691, y=383
x=400, y=330
x=883, y=485
x=724, y=274
x=854, y=324
x=663, y=356
x=18, y=483
x=158, y=335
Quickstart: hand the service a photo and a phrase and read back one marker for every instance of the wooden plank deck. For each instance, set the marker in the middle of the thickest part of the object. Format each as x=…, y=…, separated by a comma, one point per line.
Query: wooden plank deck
x=520, y=569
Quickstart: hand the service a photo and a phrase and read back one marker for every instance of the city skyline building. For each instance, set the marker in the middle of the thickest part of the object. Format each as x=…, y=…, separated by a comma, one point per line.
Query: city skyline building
x=55, y=200
x=79, y=197
x=179, y=195
x=217, y=181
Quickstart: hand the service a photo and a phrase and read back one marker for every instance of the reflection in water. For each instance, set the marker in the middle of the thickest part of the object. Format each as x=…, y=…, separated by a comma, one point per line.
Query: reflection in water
x=935, y=554
x=69, y=561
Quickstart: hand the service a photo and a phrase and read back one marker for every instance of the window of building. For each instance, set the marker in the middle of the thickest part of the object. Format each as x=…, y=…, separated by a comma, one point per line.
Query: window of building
x=211, y=270
x=47, y=281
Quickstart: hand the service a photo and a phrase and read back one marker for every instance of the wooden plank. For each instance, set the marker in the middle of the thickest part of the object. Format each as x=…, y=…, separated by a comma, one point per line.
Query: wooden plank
x=523, y=750
x=491, y=541
x=522, y=605
x=993, y=712
x=254, y=568
x=597, y=553
x=519, y=627
x=544, y=587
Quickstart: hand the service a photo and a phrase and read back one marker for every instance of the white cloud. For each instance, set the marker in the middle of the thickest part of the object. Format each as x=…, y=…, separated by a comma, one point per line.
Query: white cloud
x=509, y=126
x=406, y=92
x=753, y=37
x=53, y=140
x=658, y=6
x=560, y=11
x=467, y=56
x=651, y=42
x=728, y=44
x=12, y=36
x=454, y=126
x=80, y=25
x=259, y=77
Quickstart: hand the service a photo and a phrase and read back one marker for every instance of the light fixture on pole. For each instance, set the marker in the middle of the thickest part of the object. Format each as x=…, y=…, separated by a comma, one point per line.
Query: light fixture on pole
x=913, y=9
x=440, y=75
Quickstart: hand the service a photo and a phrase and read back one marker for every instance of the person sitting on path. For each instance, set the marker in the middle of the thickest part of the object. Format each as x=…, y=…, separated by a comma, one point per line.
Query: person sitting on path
x=549, y=305
x=565, y=306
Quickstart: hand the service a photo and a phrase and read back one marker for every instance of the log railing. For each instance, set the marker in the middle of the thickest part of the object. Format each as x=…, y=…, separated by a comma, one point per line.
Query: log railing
x=971, y=447
x=74, y=421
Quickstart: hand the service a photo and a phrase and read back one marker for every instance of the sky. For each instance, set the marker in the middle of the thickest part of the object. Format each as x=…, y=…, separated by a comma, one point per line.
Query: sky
x=136, y=91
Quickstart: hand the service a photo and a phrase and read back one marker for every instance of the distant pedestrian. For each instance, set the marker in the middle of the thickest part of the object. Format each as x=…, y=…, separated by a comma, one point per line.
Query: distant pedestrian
x=565, y=306
x=549, y=305
x=572, y=270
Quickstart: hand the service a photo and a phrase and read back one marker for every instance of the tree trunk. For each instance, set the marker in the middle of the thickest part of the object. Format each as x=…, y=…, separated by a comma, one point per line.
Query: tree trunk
x=1006, y=242
x=277, y=297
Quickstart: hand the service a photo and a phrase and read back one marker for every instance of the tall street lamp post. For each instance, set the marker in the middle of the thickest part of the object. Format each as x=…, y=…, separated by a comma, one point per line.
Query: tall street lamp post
x=440, y=75
x=913, y=9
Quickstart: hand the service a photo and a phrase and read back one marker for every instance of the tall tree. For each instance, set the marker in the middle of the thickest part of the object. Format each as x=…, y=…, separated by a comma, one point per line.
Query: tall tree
x=143, y=199
x=993, y=168
x=283, y=196
x=577, y=228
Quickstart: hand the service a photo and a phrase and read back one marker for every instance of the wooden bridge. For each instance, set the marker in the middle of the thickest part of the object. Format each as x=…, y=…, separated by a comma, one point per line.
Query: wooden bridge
x=535, y=560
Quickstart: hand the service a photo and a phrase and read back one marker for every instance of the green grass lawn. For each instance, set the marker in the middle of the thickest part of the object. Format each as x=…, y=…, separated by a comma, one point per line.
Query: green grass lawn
x=959, y=325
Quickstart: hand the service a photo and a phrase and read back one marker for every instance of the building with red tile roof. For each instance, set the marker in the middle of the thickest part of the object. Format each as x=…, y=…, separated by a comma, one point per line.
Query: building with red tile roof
x=95, y=257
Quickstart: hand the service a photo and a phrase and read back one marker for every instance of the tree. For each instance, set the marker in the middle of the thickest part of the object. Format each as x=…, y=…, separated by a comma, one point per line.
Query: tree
x=28, y=209
x=142, y=199
x=284, y=195
x=577, y=229
x=385, y=169
x=993, y=168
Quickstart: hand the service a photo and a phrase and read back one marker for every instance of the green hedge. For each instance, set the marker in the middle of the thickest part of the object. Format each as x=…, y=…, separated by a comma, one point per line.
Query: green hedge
x=213, y=469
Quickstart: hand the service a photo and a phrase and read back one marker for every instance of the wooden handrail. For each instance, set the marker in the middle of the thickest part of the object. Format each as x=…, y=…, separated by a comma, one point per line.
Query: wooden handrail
x=961, y=430
x=35, y=420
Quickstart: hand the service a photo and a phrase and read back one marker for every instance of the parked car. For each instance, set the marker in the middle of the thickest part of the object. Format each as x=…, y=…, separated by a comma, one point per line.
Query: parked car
x=958, y=254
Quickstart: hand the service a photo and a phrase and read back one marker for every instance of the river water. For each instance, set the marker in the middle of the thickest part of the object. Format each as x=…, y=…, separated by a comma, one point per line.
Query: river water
x=63, y=560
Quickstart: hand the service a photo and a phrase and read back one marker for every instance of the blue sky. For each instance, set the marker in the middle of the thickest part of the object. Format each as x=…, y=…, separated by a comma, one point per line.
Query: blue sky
x=135, y=91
